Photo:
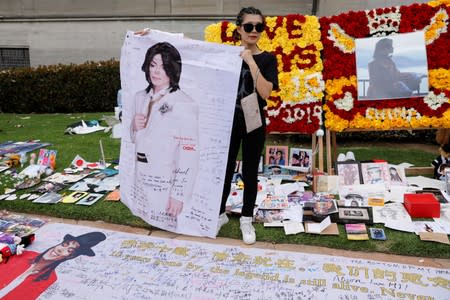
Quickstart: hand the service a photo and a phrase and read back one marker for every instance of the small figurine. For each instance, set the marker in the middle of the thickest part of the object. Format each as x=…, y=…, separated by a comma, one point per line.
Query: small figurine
x=13, y=245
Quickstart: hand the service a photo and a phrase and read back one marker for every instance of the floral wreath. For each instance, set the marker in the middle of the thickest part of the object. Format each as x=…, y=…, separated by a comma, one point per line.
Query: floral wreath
x=343, y=110
x=295, y=41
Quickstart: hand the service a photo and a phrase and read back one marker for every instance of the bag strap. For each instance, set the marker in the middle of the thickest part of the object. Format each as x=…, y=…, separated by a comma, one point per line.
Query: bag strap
x=254, y=81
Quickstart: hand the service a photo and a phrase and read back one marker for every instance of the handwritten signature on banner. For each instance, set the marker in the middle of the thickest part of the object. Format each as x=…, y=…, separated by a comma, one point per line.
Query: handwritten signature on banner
x=390, y=280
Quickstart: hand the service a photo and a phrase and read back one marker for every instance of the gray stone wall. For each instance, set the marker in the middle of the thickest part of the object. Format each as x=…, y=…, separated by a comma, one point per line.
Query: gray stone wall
x=76, y=31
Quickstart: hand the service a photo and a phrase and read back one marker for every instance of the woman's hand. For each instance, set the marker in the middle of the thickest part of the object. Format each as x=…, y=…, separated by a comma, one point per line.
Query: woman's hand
x=174, y=207
x=139, y=122
x=247, y=56
x=142, y=31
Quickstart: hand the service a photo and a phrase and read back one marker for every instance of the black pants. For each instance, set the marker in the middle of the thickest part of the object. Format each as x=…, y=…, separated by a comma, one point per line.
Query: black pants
x=252, y=146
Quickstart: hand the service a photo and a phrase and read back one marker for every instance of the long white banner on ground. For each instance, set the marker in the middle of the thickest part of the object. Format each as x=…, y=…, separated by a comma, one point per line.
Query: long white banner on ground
x=130, y=266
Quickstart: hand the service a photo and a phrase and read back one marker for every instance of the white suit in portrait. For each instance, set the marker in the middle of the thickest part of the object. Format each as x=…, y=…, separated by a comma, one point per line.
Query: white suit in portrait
x=167, y=153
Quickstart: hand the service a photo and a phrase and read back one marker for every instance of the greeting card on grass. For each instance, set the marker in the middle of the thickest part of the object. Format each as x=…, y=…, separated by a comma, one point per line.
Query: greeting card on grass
x=90, y=199
x=74, y=197
x=356, y=232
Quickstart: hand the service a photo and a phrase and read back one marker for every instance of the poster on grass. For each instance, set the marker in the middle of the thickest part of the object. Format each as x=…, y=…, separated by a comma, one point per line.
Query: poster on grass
x=178, y=105
x=118, y=265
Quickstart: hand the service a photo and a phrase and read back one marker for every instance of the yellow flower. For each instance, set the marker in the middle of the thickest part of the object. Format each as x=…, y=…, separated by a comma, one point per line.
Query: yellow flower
x=439, y=2
x=335, y=86
x=436, y=123
x=342, y=40
x=297, y=85
x=212, y=33
x=425, y=121
x=439, y=78
x=438, y=25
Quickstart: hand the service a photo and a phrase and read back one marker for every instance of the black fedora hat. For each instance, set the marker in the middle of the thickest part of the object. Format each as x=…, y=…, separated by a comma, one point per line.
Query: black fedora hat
x=86, y=241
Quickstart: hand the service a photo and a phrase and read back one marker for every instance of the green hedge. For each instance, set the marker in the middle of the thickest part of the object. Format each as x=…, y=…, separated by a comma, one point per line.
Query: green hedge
x=88, y=87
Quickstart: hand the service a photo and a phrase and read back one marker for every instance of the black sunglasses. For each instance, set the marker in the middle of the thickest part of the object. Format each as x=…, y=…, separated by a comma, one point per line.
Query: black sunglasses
x=248, y=27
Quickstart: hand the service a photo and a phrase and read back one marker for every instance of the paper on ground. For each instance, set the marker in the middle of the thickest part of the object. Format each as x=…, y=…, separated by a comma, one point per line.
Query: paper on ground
x=319, y=227
x=293, y=227
x=400, y=225
x=426, y=182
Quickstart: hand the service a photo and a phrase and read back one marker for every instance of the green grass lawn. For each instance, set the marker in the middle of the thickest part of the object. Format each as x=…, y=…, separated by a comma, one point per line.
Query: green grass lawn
x=50, y=128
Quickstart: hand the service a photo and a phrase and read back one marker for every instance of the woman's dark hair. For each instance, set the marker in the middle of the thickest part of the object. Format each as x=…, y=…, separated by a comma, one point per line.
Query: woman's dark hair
x=381, y=46
x=240, y=18
x=171, y=62
x=47, y=270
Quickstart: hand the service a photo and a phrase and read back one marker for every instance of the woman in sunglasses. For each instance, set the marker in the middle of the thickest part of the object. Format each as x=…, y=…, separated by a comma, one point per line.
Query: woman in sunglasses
x=259, y=67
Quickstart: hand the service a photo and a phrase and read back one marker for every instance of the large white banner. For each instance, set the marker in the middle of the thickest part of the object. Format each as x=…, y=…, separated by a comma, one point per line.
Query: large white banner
x=178, y=104
x=117, y=265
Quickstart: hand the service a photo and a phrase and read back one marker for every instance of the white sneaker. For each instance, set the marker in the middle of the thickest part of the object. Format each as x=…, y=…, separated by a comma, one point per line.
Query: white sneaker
x=223, y=219
x=248, y=231
x=341, y=157
x=350, y=156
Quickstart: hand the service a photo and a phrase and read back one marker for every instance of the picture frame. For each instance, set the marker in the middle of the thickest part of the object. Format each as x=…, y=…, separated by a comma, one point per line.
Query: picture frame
x=349, y=173
x=352, y=215
x=375, y=173
x=300, y=157
x=277, y=155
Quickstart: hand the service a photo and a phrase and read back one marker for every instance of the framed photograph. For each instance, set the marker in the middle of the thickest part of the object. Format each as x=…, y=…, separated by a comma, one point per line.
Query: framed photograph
x=277, y=155
x=373, y=173
x=349, y=173
x=350, y=214
x=300, y=157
